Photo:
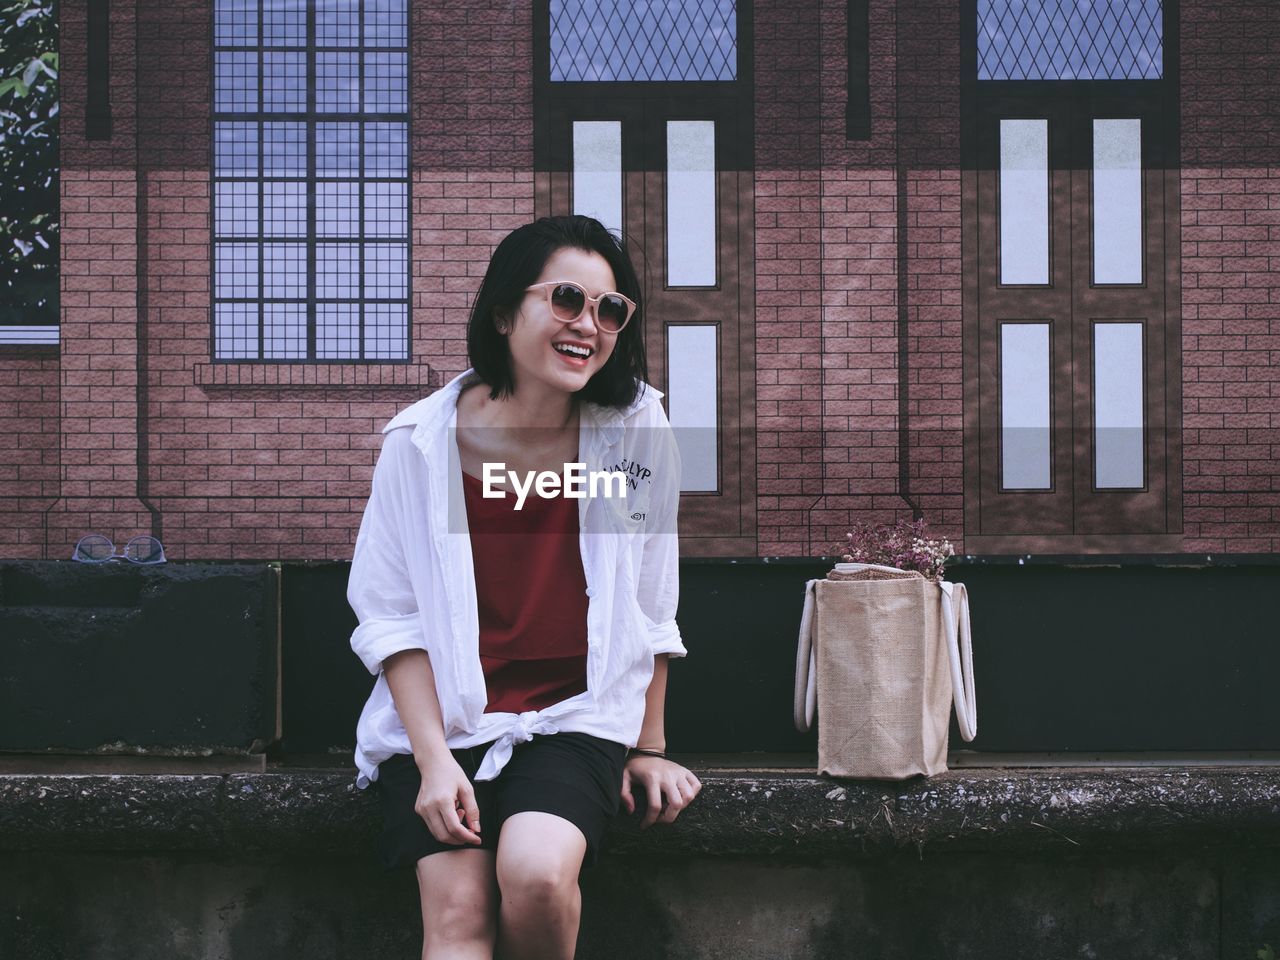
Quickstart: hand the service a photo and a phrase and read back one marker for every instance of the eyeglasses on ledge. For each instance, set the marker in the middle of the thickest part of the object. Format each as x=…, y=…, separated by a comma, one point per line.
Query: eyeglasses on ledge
x=95, y=548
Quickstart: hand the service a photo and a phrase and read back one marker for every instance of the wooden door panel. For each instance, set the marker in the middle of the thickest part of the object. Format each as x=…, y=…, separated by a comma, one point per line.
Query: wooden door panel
x=720, y=522
x=1073, y=507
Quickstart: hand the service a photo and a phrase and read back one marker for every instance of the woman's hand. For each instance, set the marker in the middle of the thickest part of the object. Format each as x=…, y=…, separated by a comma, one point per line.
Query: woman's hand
x=668, y=787
x=447, y=802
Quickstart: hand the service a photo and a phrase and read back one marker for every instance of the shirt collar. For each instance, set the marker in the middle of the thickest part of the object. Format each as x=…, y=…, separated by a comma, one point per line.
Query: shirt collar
x=435, y=412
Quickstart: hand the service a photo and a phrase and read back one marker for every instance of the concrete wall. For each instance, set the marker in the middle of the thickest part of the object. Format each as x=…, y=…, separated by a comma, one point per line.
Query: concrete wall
x=1187, y=904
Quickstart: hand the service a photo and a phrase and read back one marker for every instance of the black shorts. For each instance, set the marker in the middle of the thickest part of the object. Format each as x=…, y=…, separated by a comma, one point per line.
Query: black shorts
x=573, y=775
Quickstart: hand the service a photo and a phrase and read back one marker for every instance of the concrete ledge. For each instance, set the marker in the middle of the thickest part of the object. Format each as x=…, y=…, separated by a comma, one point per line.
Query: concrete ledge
x=745, y=812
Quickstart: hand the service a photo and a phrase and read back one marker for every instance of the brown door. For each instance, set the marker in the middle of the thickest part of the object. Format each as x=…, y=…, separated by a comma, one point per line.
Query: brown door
x=1071, y=419
x=686, y=213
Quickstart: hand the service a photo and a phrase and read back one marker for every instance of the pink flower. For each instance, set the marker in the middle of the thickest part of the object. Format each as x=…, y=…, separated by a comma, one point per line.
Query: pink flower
x=903, y=544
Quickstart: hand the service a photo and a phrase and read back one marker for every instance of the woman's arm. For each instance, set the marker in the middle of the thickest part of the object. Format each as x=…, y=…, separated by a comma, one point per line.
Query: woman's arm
x=446, y=801
x=413, y=688
x=658, y=592
x=389, y=640
x=653, y=733
x=660, y=777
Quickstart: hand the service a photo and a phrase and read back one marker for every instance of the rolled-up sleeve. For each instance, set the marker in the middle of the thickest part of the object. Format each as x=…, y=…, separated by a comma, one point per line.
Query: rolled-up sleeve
x=379, y=589
x=658, y=586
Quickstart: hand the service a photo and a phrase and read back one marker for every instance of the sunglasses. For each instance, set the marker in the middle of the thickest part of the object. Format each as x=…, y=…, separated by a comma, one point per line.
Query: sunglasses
x=568, y=302
x=95, y=548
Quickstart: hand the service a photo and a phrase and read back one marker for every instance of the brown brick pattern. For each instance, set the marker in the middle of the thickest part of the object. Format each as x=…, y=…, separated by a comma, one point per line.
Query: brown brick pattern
x=29, y=436
x=264, y=462
x=827, y=255
x=1230, y=285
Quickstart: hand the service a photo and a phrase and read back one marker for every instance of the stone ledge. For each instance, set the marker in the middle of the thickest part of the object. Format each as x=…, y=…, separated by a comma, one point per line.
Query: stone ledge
x=749, y=813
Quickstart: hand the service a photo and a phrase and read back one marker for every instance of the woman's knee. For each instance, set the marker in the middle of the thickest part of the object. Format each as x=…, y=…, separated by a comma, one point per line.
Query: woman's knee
x=539, y=860
x=459, y=897
x=534, y=882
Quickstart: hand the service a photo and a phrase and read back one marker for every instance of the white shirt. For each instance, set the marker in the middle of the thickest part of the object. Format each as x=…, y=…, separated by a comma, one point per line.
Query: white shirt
x=412, y=583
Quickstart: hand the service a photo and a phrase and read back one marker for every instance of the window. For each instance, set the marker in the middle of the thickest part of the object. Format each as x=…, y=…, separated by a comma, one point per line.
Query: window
x=1099, y=40
x=310, y=180
x=603, y=40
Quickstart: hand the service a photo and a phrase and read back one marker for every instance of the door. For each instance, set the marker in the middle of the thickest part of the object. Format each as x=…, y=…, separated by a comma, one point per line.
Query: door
x=666, y=163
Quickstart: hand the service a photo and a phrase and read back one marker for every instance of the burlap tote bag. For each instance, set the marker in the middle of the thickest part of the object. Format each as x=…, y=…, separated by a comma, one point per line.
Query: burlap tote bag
x=883, y=655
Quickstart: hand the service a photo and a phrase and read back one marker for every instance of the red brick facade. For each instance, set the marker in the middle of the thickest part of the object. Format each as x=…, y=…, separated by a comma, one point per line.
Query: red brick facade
x=129, y=427
x=1230, y=282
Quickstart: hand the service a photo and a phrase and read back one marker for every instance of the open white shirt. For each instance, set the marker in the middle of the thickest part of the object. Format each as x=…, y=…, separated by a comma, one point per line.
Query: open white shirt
x=412, y=583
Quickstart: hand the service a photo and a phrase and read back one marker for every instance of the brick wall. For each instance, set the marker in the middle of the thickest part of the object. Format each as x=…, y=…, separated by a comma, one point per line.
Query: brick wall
x=788, y=274
x=1230, y=180
x=827, y=223
x=29, y=448
x=243, y=461
x=98, y=356
x=257, y=462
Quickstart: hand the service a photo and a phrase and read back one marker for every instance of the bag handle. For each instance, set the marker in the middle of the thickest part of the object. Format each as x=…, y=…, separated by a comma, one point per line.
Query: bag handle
x=955, y=619
x=806, y=698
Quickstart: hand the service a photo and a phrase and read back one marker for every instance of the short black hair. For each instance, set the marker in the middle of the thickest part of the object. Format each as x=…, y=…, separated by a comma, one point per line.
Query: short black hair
x=515, y=266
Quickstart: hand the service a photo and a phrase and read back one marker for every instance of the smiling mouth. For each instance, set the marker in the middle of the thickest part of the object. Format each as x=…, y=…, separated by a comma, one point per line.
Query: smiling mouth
x=569, y=350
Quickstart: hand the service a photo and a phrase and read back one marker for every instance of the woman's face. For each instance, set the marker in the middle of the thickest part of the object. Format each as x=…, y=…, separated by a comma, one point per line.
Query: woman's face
x=539, y=342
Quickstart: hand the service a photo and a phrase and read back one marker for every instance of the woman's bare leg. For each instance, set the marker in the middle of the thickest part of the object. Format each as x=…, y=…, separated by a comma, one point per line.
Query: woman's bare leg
x=539, y=857
x=459, y=892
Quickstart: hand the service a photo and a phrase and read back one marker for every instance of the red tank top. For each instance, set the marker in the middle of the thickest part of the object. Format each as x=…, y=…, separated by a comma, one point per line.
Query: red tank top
x=532, y=598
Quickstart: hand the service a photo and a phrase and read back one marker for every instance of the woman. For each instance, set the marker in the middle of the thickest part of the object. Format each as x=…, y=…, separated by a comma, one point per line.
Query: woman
x=521, y=654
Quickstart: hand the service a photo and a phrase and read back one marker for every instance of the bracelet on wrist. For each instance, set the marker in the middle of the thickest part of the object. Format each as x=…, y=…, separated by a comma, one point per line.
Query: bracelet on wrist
x=641, y=752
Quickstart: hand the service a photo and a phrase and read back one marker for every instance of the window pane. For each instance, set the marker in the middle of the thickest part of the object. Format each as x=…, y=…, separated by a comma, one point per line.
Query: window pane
x=386, y=329
x=338, y=209
x=338, y=149
x=236, y=269
x=284, y=23
x=386, y=23
x=386, y=83
x=338, y=331
x=235, y=151
x=284, y=82
x=29, y=334
x=236, y=206
x=338, y=270
x=597, y=171
x=1024, y=201
x=691, y=203
x=1024, y=406
x=658, y=40
x=284, y=149
x=385, y=270
x=337, y=82
x=235, y=82
x=691, y=400
x=284, y=331
x=284, y=209
x=1117, y=201
x=386, y=149
x=337, y=23
x=1117, y=405
x=235, y=327
x=1052, y=40
x=235, y=23
x=284, y=270
x=385, y=210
